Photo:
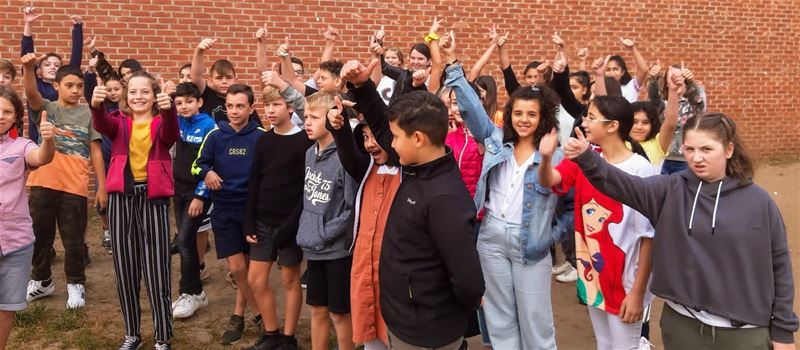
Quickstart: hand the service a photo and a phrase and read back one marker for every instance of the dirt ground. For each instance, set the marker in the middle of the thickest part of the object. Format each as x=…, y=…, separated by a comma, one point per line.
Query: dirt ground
x=46, y=325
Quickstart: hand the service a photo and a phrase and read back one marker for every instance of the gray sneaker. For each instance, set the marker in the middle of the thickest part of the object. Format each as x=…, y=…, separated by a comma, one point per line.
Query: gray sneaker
x=107, y=241
x=234, y=330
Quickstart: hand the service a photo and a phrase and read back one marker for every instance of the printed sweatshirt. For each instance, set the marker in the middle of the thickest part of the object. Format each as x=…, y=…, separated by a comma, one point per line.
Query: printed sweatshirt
x=193, y=131
x=326, y=223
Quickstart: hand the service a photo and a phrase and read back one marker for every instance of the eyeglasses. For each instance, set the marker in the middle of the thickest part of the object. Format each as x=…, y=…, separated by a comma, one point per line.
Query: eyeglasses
x=299, y=72
x=592, y=120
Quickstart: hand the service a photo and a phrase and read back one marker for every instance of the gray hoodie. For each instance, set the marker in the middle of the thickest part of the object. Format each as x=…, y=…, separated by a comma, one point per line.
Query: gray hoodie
x=326, y=223
x=719, y=247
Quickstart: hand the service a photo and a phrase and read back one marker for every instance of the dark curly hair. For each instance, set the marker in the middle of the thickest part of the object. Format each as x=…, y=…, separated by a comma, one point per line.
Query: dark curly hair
x=548, y=107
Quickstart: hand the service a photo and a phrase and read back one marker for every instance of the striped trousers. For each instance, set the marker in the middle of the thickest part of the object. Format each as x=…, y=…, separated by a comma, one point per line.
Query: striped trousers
x=140, y=247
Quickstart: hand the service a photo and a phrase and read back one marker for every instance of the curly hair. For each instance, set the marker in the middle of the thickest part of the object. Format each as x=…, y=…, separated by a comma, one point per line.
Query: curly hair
x=548, y=107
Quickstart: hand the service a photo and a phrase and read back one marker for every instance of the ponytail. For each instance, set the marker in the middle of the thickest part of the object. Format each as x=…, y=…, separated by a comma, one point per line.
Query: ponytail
x=617, y=108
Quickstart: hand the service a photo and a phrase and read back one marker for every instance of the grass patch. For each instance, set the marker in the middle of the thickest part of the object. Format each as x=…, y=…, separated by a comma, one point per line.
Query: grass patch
x=30, y=317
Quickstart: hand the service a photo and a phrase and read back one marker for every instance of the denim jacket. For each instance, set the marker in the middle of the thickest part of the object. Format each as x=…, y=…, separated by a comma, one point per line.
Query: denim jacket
x=539, y=202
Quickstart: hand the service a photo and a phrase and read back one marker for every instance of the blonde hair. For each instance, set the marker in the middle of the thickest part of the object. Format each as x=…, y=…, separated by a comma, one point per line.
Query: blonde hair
x=270, y=94
x=321, y=100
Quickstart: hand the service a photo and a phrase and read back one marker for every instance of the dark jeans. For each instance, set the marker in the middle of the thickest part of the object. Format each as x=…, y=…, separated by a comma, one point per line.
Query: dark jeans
x=673, y=166
x=566, y=223
x=190, y=282
x=50, y=209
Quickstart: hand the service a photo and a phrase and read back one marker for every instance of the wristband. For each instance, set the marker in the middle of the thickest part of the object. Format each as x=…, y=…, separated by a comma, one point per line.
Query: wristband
x=431, y=37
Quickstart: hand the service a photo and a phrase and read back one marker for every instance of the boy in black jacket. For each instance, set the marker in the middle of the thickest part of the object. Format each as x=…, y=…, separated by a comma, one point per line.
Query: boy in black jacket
x=430, y=275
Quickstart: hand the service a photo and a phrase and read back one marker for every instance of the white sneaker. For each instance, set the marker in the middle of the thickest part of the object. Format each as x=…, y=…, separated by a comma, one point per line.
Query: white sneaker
x=36, y=290
x=187, y=305
x=571, y=275
x=76, y=296
x=557, y=270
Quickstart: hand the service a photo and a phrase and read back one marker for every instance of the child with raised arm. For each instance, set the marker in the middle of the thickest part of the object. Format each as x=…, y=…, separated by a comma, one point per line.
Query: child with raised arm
x=706, y=216
x=7, y=75
x=47, y=67
x=618, y=70
x=378, y=171
x=214, y=92
x=17, y=155
x=612, y=241
x=326, y=228
x=59, y=190
x=273, y=206
x=224, y=163
x=140, y=183
x=515, y=237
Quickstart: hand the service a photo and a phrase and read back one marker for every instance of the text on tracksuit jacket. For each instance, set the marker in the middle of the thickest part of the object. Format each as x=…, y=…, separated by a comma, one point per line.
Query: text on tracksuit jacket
x=229, y=154
x=193, y=131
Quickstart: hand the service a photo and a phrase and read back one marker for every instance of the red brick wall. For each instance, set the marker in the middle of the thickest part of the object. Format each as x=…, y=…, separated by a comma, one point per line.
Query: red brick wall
x=743, y=51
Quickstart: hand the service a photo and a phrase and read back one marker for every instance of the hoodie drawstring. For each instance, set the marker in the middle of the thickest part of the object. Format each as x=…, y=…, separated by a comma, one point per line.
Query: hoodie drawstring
x=716, y=205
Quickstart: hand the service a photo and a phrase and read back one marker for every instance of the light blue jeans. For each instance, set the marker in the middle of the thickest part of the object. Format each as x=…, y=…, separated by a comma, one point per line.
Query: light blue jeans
x=517, y=302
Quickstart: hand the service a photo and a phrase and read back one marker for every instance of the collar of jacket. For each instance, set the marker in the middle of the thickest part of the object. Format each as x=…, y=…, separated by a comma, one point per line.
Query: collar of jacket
x=432, y=168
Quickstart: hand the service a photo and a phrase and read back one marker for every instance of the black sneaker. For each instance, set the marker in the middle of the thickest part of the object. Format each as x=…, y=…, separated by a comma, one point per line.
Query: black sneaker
x=173, y=245
x=267, y=342
x=289, y=342
x=233, y=332
x=304, y=280
x=131, y=343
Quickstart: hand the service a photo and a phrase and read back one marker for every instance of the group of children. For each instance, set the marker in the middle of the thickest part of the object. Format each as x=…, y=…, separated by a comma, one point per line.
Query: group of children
x=426, y=214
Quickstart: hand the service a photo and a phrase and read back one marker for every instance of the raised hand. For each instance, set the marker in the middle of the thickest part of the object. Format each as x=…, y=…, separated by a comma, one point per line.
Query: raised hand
x=90, y=43
x=164, y=101
x=655, y=70
x=272, y=78
x=261, y=35
x=448, y=44
x=501, y=40
x=375, y=47
x=331, y=33
x=167, y=86
x=206, y=44
x=283, y=49
x=676, y=81
x=560, y=64
x=45, y=128
x=29, y=60
x=493, y=36
x=379, y=35
x=98, y=96
x=30, y=14
x=542, y=68
x=627, y=42
x=576, y=146
x=583, y=53
x=437, y=23
x=548, y=144
x=76, y=19
x=599, y=65
x=335, y=117
x=356, y=73
x=687, y=74
x=420, y=77
x=558, y=41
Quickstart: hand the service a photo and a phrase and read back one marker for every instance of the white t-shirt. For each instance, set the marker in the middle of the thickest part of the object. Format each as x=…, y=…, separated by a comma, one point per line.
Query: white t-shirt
x=505, y=194
x=631, y=91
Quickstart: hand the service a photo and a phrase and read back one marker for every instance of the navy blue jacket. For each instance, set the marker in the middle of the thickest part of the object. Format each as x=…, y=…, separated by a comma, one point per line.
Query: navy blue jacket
x=230, y=155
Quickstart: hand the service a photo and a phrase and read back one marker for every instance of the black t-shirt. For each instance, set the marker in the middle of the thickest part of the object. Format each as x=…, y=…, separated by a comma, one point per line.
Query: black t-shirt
x=214, y=105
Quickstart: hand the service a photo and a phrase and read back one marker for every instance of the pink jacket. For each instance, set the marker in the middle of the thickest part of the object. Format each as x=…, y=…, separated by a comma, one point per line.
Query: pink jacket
x=163, y=134
x=470, y=161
